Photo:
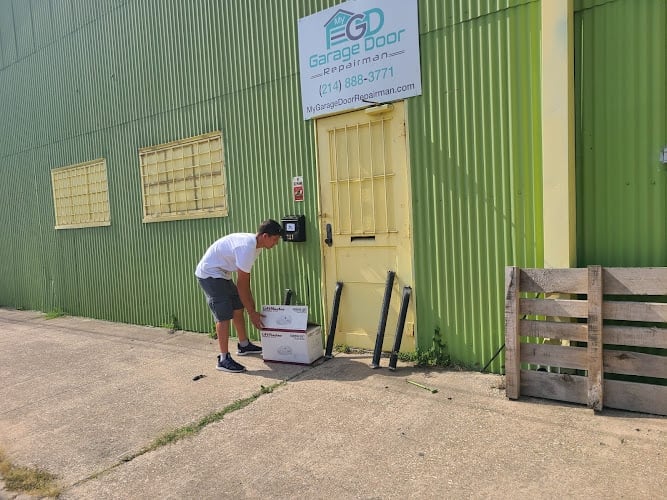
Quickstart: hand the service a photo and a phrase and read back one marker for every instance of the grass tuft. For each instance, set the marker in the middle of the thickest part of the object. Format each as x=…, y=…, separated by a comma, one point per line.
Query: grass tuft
x=55, y=313
x=27, y=480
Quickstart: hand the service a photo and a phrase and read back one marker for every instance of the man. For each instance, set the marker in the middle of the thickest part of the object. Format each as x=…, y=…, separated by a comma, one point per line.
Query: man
x=234, y=253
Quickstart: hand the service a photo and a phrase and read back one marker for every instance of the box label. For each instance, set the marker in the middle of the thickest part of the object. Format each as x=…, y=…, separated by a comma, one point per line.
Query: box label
x=285, y=318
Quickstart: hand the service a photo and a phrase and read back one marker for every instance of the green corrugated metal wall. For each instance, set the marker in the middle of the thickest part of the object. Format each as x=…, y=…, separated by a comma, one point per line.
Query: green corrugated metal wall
x=83, y=80
x=103, y=80
x=476, y=170
x=621, y=128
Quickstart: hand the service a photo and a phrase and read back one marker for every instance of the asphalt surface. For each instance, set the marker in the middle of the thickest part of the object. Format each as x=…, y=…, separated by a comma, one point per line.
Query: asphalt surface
x=85, y=399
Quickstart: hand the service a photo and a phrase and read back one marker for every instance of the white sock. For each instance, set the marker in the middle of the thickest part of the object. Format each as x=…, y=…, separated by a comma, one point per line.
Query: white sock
x=244, y=343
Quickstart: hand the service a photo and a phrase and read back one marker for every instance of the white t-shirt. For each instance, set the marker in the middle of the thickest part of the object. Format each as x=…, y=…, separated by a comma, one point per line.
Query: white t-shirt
x=227, y=255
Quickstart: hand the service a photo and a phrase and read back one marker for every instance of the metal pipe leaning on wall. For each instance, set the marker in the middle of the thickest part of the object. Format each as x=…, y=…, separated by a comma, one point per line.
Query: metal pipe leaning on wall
x=334, y=320
x=405, y=300
x=383, y=319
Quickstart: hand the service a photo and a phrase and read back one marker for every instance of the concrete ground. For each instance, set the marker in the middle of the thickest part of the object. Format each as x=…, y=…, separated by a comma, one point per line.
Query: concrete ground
x=83, y=399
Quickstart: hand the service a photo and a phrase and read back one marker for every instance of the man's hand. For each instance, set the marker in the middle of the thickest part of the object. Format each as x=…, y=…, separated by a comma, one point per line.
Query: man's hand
x=256, y=319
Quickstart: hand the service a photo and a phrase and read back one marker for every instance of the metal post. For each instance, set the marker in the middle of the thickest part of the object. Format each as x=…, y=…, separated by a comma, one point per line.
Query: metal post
x=383, y=319
x=334, y=320
x=405, y=300
x=493, y=357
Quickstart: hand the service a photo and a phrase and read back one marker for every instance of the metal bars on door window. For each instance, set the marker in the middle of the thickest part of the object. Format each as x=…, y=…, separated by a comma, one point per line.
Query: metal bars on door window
x=362, y=179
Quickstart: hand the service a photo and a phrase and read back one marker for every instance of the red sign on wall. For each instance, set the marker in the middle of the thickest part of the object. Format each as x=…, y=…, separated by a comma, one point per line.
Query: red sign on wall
x=297, y=188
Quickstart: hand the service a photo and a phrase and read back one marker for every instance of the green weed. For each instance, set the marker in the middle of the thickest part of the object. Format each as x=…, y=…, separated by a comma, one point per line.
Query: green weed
x=344, y=348
x=212, y=333
x=194, y=428
x=436, y=355
x=172, y=324
x=55, y=313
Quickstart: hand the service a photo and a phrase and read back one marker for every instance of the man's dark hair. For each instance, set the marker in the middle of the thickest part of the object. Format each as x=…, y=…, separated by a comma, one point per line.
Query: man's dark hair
x=270, y=227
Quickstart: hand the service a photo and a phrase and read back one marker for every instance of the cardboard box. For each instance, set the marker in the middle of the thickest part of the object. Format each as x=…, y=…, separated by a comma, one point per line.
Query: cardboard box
x=287, y=337
x=300, y=347
x=285, y=318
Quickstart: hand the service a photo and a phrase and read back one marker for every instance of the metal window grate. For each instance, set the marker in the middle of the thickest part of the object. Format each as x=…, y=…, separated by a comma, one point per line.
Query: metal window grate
x=81, y=195
x=184, y=179
x=362, y=179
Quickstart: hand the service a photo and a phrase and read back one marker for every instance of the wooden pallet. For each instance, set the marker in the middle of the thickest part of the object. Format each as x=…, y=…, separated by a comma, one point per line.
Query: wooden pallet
x=574, y=307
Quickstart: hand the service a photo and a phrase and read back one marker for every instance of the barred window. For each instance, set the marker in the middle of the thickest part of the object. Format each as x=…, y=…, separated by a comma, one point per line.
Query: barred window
x=184, y=179
x=81, y=195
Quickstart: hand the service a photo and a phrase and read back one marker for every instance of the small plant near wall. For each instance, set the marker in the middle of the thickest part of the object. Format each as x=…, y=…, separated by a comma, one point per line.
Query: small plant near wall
x=172, y=324
x=55, y=313
x=436, y=355
x=344, y=348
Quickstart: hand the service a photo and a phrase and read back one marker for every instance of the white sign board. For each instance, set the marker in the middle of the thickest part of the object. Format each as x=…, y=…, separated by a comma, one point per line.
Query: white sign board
x=359, y=53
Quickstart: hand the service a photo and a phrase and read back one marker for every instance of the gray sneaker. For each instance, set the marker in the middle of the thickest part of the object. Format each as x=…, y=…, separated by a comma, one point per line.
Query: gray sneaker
x=227, y=364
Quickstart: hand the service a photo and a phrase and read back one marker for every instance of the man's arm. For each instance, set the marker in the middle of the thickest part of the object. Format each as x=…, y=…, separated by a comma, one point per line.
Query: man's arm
x=243, y=285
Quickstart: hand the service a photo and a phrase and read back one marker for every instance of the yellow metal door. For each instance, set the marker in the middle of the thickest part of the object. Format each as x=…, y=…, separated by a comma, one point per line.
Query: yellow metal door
x=365, y=209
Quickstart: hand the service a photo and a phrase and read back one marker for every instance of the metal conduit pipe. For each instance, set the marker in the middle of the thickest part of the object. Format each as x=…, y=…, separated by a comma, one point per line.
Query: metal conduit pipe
x=405, y=300
x=383, y=319
x=334, y=320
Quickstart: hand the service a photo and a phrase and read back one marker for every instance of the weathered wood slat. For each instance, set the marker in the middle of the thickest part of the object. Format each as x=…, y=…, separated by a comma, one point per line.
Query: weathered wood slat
x=553, y=280
x=512, y=339
x=612, y=334
x=594, y=347
x=553, y=330
x=554, y=355
x=635, y=363
x=570, y=388
x=554, y=307
x=635, y=397
x=635, y=280
x=635, y=336
x=635, y=311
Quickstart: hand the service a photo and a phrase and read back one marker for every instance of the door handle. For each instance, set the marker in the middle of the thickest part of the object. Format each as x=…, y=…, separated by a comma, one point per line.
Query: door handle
x=329, y=239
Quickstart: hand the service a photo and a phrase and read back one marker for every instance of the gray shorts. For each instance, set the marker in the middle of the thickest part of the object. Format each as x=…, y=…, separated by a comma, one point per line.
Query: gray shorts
x=222, y=297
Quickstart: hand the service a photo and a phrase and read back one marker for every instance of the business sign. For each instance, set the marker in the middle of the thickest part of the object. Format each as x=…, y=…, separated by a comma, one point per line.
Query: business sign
x=358, y=53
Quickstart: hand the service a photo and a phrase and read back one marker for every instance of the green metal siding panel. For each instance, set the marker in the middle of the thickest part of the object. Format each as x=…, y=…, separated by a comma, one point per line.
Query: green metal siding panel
x=7, y=34
x=621, y=128
x=141, y=74
x=19, y=264
x=434, y=15
x=476, y=174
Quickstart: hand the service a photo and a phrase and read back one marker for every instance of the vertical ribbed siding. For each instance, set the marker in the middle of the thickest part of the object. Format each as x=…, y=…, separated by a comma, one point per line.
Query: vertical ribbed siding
x=114, y=77
x=83, y=80
x=476, y=174
x=121, y=76
x=621, y=128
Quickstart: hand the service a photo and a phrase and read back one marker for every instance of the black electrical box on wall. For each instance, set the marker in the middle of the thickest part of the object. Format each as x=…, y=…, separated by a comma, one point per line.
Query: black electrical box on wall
x=294, y=227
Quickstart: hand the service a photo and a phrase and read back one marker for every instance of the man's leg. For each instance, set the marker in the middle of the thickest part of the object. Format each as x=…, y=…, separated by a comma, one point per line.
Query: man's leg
x=222, y=329
x=219, y=295
x=245, y=346
x=239, y=325
x=225, y=361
